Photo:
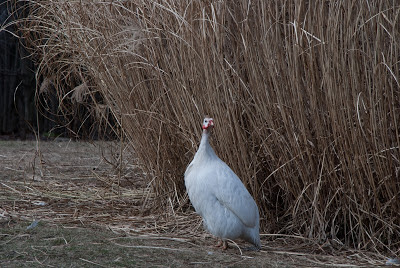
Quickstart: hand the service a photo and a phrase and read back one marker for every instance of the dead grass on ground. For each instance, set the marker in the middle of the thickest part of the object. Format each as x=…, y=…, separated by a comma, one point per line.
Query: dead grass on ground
x=86, y=189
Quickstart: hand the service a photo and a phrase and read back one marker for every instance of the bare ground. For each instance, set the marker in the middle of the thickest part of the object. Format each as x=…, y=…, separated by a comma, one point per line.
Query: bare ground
x=77, y=204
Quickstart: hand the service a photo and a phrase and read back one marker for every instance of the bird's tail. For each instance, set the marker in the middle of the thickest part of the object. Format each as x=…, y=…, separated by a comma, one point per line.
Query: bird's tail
x=257, y=243
x=253, y=236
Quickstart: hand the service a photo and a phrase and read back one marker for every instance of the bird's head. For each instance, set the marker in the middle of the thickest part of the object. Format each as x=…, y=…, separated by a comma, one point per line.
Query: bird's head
x=208, y=123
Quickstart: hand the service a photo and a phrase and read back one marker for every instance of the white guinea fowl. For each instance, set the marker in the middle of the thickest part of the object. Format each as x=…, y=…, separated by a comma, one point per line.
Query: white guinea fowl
x=217, y=194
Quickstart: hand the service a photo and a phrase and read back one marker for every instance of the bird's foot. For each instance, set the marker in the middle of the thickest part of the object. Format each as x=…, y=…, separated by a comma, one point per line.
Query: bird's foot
x=222, y=244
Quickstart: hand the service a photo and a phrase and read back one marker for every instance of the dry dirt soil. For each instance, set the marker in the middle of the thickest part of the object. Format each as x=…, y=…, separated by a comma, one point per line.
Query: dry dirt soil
x=78, y=204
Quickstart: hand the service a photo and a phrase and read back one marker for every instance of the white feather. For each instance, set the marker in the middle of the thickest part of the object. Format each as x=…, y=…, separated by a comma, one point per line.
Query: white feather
x=220, y=198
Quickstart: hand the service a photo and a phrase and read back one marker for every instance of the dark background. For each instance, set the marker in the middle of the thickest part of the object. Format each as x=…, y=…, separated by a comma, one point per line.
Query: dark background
x=25, y=114
x=17, y=82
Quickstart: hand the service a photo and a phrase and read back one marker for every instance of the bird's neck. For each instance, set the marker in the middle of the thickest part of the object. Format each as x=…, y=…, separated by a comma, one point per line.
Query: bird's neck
x=204, y=142
x=205, y=150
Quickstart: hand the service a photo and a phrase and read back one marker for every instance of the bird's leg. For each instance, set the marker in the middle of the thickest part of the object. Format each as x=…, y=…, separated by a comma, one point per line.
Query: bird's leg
x=224, y=245
x=219, y=244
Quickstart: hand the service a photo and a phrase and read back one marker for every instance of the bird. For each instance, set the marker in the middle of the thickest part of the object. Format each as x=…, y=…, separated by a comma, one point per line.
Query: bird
x=219, y=196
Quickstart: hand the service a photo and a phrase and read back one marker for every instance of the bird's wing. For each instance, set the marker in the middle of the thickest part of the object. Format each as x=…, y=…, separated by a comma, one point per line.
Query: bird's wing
x=232, y=194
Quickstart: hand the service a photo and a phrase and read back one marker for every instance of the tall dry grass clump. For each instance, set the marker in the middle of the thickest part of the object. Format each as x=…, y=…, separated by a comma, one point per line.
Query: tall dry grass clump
x=305, y=98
